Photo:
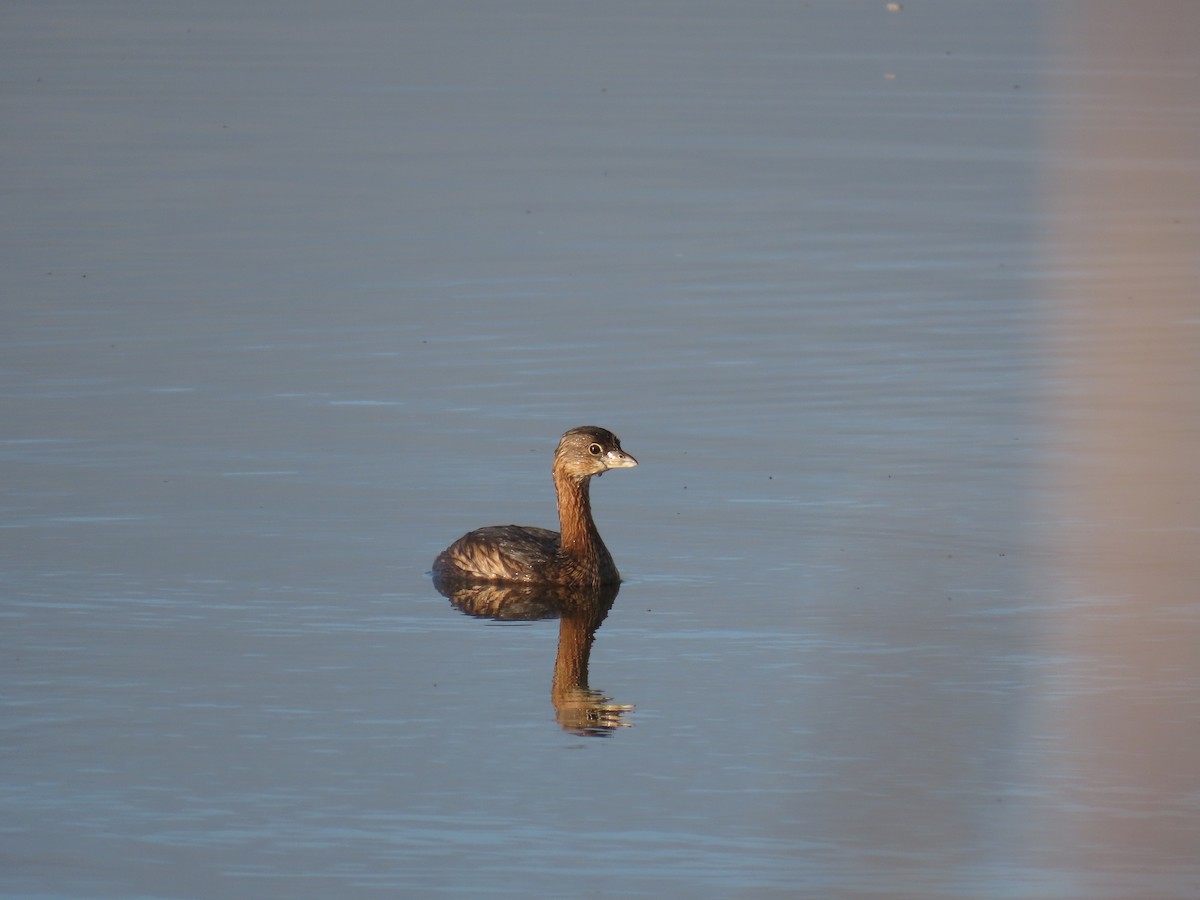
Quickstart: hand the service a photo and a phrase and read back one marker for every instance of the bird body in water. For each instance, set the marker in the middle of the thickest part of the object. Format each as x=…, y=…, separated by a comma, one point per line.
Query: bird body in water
x=527, y=554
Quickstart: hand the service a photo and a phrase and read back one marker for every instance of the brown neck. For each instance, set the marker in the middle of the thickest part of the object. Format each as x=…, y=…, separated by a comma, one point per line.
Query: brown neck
x=575, y=636
x=579, y=535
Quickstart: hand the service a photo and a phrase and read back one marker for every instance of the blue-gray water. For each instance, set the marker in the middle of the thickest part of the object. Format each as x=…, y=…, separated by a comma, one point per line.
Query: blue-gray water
x=898, y=311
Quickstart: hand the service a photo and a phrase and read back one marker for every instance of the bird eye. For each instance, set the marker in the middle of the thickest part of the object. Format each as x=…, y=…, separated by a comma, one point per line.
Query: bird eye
x=595, y=449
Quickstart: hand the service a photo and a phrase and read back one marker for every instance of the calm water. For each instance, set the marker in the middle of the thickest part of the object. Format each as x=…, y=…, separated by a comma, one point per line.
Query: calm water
x=897, y=311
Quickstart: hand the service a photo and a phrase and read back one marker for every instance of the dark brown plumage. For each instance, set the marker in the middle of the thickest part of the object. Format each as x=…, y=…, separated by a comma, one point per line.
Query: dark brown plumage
x=522, y=553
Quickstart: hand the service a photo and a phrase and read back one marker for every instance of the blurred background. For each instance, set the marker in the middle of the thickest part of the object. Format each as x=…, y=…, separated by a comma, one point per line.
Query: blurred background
x=896, y=305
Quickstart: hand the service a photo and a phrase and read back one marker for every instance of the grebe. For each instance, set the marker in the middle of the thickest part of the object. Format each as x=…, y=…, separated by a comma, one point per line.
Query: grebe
x=523, y=553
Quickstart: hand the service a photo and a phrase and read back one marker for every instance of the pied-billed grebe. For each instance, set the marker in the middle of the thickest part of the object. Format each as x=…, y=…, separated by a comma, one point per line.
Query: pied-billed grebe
x=522, y=553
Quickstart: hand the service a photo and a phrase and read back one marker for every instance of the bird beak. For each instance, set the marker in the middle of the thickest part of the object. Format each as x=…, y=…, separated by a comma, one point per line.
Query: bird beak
x=619, y=459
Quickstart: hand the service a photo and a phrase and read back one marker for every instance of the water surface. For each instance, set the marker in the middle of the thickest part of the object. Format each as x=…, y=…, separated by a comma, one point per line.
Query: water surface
x=896, y=310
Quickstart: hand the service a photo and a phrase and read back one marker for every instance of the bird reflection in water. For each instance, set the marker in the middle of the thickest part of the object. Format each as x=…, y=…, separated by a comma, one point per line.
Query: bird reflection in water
x=578, y=708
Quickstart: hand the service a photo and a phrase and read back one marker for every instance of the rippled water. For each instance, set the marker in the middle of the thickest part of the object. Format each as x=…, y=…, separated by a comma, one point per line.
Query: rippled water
x=897, y=311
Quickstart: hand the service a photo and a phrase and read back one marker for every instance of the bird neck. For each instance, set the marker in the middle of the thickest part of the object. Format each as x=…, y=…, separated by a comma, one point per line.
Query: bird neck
x=575, y=636
x=579, y=534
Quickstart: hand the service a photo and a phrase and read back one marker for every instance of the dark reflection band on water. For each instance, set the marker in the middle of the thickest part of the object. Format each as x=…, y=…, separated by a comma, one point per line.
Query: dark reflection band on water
x=580, y=612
